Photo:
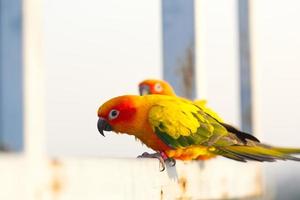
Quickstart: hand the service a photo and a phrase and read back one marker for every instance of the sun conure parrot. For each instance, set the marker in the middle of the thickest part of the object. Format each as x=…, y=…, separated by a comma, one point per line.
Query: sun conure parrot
x=177, y=128
x=155, y=86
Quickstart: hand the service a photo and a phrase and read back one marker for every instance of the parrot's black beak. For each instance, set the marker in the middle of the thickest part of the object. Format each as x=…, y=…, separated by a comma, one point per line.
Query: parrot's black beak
x=103, y=125
x=144, y=90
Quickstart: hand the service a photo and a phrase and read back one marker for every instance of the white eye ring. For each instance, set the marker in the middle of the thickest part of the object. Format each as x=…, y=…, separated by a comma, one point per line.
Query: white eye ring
x=158, y=87
x=113, y=114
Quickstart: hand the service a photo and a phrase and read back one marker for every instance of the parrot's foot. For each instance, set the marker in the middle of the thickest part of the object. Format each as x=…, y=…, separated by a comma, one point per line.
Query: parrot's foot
x=162, y=157
x=171, y=161
x=162, y=165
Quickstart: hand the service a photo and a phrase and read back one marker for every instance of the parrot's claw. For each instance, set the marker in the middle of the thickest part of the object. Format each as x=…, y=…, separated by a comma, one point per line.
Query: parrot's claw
x=162, y=165
x=171, y=162
x=162, y=157
x=147, y=155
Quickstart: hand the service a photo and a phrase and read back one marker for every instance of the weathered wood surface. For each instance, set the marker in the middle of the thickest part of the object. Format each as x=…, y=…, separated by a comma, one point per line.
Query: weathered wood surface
x=93, y=178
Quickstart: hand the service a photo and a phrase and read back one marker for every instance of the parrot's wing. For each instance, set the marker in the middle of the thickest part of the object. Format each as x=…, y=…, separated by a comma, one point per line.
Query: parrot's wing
x=181, y=123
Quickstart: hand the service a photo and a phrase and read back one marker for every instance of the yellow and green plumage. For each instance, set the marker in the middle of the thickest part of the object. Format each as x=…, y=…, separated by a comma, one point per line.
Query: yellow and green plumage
x=183, y=130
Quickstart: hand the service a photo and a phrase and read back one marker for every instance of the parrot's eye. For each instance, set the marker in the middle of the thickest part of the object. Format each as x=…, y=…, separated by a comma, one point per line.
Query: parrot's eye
x=158, y=87
x=113, y=114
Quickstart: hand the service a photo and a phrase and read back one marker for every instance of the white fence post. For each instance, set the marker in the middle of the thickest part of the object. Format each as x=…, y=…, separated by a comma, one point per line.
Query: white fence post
x=34, y=108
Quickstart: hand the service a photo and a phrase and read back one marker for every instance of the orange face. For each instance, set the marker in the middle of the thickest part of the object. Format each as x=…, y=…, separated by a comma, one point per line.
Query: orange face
x=119, y=115
x=152, y=86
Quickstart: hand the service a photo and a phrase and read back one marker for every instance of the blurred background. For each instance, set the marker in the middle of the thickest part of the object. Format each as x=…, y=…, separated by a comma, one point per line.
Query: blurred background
x=61, y=59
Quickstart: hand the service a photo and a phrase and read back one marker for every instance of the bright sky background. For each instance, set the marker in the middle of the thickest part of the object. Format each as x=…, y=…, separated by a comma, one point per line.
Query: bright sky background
x=95, y=50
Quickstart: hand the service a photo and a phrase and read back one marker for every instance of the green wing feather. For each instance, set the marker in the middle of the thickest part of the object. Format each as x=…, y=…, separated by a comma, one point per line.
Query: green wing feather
x=180, y=123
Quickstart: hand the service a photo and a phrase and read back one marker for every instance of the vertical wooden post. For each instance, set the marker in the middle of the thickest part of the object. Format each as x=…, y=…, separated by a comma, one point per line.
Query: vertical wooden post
x=34, y=119
x=246, y=94
x=178, y=46
x=11, y=105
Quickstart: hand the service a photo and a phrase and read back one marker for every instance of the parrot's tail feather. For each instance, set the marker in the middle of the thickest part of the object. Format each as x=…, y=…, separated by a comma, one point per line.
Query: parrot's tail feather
x=284, y=150
x=257, y=153
x=230, y=155
x=241, y=135
x=248, y=156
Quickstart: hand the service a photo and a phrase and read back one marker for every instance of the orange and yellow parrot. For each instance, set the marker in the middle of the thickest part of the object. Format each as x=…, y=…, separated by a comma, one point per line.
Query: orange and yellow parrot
x=177, y=128
x=155, y=86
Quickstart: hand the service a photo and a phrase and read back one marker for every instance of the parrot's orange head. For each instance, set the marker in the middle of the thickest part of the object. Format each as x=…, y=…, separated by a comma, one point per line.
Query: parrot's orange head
x=119, y=115
x=152, y=86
